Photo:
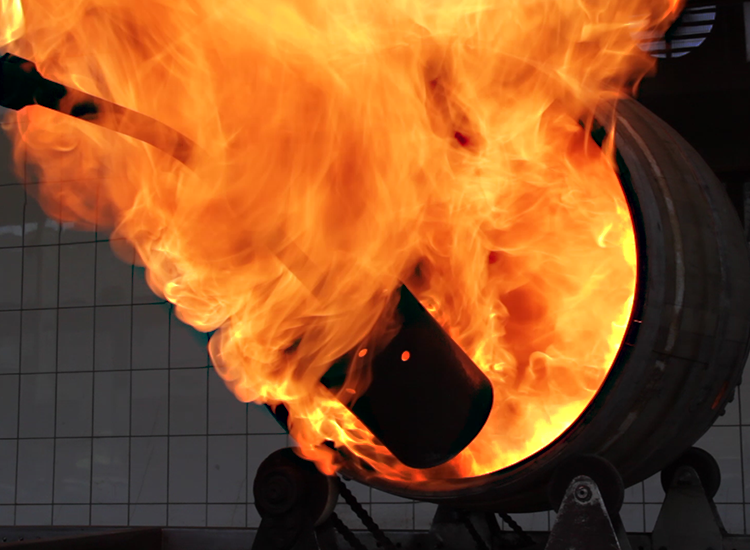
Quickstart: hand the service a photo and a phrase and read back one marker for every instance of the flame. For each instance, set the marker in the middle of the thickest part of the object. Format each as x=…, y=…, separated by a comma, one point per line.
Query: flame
x=11, y=27
x=349, y=145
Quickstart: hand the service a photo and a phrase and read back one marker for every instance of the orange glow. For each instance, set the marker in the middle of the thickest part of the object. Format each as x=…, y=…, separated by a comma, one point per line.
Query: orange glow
x=405, y=356
x=11, y=27
x=349, y=145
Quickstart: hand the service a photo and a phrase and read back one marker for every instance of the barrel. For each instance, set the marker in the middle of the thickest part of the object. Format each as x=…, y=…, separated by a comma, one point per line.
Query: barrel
x=685, y=347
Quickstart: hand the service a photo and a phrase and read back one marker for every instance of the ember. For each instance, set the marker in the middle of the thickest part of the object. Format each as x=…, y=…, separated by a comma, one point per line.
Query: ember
x=438, y=143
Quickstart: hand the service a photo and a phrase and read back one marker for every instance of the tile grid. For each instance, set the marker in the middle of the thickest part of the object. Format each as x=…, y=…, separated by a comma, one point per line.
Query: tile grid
x=20, y=352
x=390, y=512
x=169, y=415
x=738, y=397
x=56, y=377
x=130, y=397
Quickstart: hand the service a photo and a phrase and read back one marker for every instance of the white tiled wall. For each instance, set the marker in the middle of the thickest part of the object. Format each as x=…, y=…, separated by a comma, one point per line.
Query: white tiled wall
x=110, y=413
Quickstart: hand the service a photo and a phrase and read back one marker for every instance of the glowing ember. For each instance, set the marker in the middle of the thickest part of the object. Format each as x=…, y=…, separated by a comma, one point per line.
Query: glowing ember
x=350, y=145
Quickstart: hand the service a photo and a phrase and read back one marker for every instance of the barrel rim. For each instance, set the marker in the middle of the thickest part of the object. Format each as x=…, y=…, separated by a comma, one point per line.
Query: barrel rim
x=439, y=490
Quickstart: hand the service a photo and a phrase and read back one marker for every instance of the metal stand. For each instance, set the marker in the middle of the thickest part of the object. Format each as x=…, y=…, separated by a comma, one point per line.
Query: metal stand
x=588, y=509
x=296, y=504
x=294, y=500
x=583, y=522
x=688, y=519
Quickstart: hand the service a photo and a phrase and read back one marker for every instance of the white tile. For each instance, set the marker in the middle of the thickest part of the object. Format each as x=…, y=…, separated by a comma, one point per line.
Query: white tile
x=733, y=518
x=7, y=515
x=72, y=471
x=345, y=514
x=227, y=472
x=75, y=347
x=150, y=403
x=188, y=396
x=73, y=232
x=261, y=421
x=109, y=514
x=653, y=491
x=70, y=514
x=226, y=415
x=632, y=517
x=112, y=403
x=745, y=431
x=537, y=521
x=393, y=515
x=187, y=469
x=142, y=294
x=35, y=471
x=12, y=199
x=744, y=397
x=148, y=470
x=361, y=492
x=652, y=512
x=39, y=341
x=111, y=469
x=150, y=337
x=253, y=517
x=10, y=341
x=634, y=493
x=9, y=405
x=186, y=515
x=187, y=347
x=381, y=496
x=9, y=172
x=74, y=404
x=77, y=274
x=40, y=276
x=8, y=450
x=37, y=405
x=39, y=228
x=731, y=416
x=723, y=443
x=148, y=514
x=10, y=278
x=424, y=512
x=259, y=447
x=114, y=277
x=36, y=515
x=226, y=515
x=112, y=338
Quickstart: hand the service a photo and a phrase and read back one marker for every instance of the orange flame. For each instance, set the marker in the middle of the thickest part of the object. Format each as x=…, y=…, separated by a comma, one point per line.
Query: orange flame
x=350, y=145
x=11, y=27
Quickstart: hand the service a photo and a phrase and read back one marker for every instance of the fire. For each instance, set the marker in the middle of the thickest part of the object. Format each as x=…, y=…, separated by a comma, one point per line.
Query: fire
x=349, y=145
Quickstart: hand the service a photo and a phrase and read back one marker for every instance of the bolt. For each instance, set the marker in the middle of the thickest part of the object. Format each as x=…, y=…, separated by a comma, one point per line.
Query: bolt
x=684, y=476
x=583, y=493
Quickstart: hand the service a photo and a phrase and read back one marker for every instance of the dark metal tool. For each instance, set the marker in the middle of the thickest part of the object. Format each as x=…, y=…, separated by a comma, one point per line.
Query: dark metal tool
x=21, y=85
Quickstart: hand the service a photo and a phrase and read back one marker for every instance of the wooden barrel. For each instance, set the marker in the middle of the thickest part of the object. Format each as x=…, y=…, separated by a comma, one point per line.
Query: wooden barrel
x=686, y=345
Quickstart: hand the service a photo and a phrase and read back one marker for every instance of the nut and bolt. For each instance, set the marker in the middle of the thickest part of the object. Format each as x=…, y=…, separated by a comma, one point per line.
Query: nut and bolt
x=583, y=493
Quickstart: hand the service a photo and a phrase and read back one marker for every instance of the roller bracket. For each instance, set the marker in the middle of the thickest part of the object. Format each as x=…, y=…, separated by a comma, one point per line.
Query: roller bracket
x=583, y=522
x=293, y=499
x=688, y=519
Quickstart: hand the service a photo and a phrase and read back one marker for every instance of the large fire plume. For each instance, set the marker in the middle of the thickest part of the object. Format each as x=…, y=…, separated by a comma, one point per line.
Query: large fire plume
x=348, y=146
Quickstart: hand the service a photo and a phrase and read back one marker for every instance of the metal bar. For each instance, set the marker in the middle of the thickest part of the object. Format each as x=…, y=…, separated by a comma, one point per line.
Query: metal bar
x=147, y=538
x=21, y=85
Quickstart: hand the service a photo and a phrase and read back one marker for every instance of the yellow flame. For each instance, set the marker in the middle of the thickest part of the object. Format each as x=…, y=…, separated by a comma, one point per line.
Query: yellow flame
x=11, y=24
x=350, y=145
